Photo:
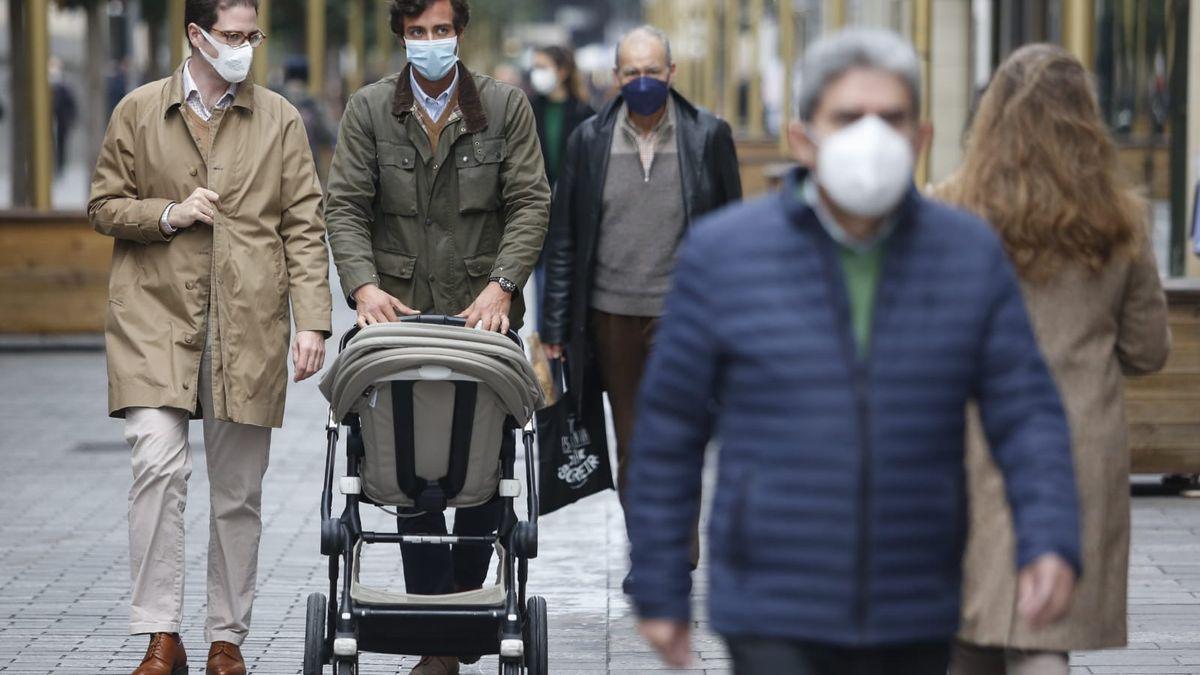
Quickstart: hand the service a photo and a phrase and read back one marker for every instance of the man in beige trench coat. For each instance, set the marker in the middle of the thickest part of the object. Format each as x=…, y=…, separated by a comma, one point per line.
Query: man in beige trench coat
x=207, y=184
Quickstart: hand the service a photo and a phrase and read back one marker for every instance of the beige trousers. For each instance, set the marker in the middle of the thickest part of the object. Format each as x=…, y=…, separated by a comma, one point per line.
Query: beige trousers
x=968, y=659
x=236, y=455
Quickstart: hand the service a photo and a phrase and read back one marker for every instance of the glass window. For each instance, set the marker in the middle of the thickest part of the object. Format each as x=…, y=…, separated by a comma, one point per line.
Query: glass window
x=1141, y=62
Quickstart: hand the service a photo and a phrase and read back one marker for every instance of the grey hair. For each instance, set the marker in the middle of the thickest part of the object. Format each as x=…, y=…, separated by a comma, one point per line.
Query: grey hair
x=645, y=29
x=877, y=49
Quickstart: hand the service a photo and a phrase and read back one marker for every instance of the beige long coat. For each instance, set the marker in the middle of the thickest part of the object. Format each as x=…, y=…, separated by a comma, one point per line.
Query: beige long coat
x=267, y=246
x=1092, y=329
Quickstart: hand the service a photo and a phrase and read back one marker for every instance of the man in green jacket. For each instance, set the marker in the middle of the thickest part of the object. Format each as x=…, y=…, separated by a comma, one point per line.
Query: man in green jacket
x=438, y=203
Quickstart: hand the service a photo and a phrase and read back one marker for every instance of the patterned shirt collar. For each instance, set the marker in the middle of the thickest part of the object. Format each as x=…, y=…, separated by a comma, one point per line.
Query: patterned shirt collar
x=434, y=107
x=191, y=94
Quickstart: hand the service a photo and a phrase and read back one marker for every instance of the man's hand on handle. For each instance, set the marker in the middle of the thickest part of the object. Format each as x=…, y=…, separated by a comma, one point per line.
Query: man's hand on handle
x=200, y=207
x=553, y=352
x=1044, y=590
x=376, y=306
x=671, y=639
x=308, y=353
x=490, y=308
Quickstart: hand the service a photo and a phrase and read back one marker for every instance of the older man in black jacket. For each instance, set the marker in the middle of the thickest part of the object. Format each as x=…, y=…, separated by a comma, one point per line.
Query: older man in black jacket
x=634, y=179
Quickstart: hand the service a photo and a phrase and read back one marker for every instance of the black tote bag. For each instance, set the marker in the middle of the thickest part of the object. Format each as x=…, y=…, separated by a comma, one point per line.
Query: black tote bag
x=573, y=458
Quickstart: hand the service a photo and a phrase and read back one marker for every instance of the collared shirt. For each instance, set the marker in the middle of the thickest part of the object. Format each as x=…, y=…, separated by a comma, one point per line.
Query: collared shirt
x=191, y=94
x=862, y=266
x=649, y=143
x=434, y=107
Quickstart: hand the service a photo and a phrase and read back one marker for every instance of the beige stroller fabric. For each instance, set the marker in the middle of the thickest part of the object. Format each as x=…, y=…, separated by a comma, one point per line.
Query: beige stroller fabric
x=434, y=357
x=488, y=596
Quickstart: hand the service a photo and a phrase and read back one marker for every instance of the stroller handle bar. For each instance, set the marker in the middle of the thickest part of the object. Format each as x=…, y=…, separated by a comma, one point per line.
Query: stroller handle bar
x=434, y=319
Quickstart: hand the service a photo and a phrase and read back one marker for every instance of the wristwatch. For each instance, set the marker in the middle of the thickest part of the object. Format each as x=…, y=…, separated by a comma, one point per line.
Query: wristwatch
x=505, y=284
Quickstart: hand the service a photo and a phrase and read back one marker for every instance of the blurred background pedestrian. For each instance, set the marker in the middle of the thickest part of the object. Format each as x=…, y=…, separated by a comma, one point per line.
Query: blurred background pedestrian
x=1042, y=169
x=559, y=106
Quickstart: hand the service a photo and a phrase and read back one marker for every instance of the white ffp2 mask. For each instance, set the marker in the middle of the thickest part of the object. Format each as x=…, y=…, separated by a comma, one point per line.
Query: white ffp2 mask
x=543, y=80
x=231, y=63
x=866, y=167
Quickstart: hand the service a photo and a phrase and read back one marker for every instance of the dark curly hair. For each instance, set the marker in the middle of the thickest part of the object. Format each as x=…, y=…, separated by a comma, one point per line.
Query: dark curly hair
x=203, y=13
x=407, y=9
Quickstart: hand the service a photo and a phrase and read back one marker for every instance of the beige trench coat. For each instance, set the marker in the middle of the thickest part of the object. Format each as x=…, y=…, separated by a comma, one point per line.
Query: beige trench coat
x=1092, y=329
x=267, y=246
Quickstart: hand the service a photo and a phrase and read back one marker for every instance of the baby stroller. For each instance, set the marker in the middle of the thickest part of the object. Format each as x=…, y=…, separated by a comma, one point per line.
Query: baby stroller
x=425, y=401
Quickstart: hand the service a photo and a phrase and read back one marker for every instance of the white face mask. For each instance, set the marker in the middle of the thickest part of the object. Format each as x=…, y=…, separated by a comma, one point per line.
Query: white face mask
x=544, y=80
x=866, y=167
x=231, y=63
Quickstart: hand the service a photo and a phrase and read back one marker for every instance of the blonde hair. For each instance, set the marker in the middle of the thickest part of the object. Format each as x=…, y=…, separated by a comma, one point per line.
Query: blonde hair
x=1041, y=166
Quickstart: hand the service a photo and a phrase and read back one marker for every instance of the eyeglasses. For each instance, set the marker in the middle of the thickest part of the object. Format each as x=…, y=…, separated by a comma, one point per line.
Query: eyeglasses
x=236, y=39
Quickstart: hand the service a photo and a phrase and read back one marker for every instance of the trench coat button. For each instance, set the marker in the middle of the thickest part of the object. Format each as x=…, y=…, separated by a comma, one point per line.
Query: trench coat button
x=190, y=285
x=435, y=167
x=192, y=172
x=188, y=339
x=186, y=386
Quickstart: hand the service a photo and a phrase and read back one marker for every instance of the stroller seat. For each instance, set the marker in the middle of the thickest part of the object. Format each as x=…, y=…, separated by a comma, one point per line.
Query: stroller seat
x=432, y=401
x=427, y=403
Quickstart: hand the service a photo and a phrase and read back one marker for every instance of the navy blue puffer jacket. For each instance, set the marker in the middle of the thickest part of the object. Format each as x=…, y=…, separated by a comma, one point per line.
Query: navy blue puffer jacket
x=840, y=510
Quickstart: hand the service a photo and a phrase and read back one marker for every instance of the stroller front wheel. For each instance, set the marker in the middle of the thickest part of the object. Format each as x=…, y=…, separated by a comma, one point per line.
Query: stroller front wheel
x=507, y=668
x=537, y=647
x=345, y=666
x=314, y=635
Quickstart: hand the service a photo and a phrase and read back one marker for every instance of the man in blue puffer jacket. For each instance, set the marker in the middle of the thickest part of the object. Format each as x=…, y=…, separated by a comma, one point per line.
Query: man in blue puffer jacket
x=830, y=337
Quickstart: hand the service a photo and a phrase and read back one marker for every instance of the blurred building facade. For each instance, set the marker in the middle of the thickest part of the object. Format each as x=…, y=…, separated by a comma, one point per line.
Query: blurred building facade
x=736, y=57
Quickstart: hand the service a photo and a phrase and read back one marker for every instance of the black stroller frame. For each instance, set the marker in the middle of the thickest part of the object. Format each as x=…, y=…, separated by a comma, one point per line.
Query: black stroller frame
x=338, y=631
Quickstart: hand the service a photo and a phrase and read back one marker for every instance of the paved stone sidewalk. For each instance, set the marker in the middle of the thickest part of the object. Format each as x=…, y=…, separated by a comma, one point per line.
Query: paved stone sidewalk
x=64, y=574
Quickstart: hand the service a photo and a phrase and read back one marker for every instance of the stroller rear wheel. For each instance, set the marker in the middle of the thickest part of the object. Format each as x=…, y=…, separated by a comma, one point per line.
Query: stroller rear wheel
x=537, y=643
x=510, y=668
x=314, y=635
x=345, y=666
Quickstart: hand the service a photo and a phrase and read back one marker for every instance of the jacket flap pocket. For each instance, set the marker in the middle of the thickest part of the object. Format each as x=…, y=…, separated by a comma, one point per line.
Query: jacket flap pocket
x=403, y=156
x=480, y=265
x=395, y=264
x=490, y=151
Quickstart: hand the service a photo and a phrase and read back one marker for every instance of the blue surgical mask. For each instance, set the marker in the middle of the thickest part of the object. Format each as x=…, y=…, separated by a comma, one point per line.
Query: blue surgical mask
x=646, y=95
x=433, y=58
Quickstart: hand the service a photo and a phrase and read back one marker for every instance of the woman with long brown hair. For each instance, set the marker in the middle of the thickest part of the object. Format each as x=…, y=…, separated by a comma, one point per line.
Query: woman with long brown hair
x=1041, y=167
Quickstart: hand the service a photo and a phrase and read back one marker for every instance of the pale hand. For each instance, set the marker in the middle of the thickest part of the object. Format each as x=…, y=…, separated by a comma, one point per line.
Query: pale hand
x=671, y=639
x=490, y=309
x=308, y=353
x=200, y=207
x=376, y=306
x=1044, y=590
x=553, y=352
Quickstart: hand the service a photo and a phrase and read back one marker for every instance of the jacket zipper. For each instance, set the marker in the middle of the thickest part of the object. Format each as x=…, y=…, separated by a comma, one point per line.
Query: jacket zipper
x=864, y=495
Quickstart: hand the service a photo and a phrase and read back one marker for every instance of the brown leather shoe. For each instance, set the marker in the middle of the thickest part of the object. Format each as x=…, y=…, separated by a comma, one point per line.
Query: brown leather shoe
x=436, y=665
x=224, y=658
x=164, y=656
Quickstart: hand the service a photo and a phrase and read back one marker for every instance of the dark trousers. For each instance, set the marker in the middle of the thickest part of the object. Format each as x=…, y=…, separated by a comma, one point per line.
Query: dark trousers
x=623, y=346
x=769, y=656
x=438, y=569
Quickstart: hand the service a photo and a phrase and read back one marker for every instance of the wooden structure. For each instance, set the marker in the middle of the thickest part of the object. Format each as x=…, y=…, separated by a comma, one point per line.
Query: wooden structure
x=1164, y=409
x=53, y=273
